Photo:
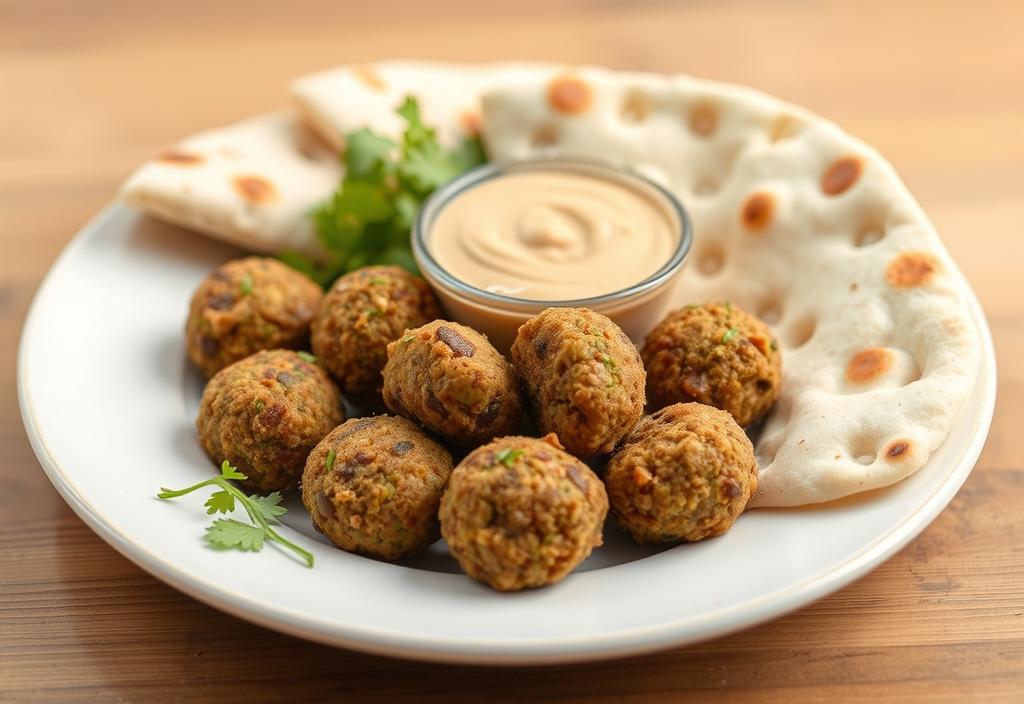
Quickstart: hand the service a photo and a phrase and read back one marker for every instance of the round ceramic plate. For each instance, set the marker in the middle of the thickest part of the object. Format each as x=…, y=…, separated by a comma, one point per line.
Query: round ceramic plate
x=109, y=404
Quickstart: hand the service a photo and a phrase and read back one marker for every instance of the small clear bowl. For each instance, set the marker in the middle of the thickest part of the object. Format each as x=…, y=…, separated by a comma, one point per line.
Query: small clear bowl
x=636, y=309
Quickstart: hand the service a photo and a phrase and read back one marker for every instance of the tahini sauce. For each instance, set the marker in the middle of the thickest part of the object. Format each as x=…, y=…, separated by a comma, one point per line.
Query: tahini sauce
x=552, y=235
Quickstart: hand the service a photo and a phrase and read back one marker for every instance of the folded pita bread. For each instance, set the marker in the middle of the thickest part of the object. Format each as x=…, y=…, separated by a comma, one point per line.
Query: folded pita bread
x=803, y=225
x=251, y=184
x=339, y=100
x=254, y=183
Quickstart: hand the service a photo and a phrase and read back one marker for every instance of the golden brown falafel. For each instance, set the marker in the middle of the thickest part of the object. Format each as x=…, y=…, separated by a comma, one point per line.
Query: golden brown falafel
x=373, y=486
x=248, y=305
x=451, y=379
x=265, y=413
x=583, y=376
x=684, y=473
x=521, y=512
x=364, y=311
x=715, y=354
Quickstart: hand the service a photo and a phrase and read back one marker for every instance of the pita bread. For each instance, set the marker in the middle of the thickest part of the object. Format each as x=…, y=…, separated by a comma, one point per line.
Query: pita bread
x=805, y=226
x=251, y=184
x=340, y=100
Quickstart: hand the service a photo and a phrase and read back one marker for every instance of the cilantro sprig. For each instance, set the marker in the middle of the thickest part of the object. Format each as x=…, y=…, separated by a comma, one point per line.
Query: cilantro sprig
x=368, y=219
x=230, y=533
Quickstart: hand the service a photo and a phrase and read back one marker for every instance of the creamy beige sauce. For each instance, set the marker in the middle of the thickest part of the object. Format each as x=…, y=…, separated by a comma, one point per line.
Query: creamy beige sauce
x=553, y=235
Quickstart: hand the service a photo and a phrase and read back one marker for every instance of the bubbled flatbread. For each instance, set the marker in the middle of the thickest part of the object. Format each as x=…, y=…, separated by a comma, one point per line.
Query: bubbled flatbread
x=808, y=228
x=252, y=184
x=339, y=100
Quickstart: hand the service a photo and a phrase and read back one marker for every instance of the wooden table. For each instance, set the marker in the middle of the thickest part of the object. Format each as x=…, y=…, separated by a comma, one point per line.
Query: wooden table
x=90, y=89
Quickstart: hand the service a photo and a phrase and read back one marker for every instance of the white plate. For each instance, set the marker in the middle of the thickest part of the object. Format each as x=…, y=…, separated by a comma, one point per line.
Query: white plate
x=109, y=404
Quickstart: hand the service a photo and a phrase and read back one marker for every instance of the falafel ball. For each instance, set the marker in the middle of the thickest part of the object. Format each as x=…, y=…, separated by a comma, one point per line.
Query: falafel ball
x=265, y=413
x=684, y=473
x=451, y=379
x=583, y=376
x=716, y=354
x=521, y=512
x=248, y=305
x=373, y=486
x=364, y=311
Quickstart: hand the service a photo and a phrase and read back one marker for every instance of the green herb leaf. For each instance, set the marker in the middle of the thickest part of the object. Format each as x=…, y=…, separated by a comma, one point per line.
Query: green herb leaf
x=366, y=151
x=268, y=506
x=227, y=533
x=246, y=285
x=774, y=345
x=307, y=357
x=331, y=456
x=729, y=335
x=368, y=219
x=372, y=313
x=408, y=339
x=229, y=472
x=230, y=533
x=220, y=502
x=378, y=281
x=508, y=455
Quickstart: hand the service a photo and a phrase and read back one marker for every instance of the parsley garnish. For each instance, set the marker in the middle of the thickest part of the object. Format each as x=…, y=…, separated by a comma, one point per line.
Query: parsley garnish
x=407, y=339
x=331, y=456
x=368, y=219
x=307, y=357
x=372, y=313
x=378, y=281
x=232, y=534
x=508, y=455
x=729, y=335
x=246, y=285
x=774, y=345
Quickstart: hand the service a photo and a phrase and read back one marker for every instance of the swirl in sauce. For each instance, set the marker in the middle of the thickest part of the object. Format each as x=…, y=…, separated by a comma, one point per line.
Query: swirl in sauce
x=553, y=235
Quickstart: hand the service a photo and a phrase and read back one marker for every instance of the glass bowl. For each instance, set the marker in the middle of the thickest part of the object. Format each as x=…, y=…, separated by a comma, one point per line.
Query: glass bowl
x=636, y=308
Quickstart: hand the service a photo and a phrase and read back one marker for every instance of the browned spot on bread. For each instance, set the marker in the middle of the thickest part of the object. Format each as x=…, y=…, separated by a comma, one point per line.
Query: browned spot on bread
x=841, y=175
x=868, y=365
x=255, y=189
x=179, y=157
x=471, y=122
x=911, y=269
x=703, y=119
x=636, y=107
x=544, y=136
x=784, y=127
x=757, y=211
x=897, y=449
x=954, y=327
x=369, y=77
x=570, y=95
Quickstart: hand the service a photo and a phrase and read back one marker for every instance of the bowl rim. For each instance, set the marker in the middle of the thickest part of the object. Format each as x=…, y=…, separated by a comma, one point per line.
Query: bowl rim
x=437, y=201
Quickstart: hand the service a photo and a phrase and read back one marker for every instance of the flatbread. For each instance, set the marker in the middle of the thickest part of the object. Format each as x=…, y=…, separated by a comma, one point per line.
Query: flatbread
x=252, y=184
x=339, y=100
x=799, y=223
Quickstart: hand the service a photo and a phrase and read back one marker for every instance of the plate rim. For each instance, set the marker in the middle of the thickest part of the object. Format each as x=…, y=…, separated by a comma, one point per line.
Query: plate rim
x=497, y=651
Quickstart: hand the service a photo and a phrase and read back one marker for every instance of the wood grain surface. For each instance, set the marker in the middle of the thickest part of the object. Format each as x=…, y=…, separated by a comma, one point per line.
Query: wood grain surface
x=90, y=88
